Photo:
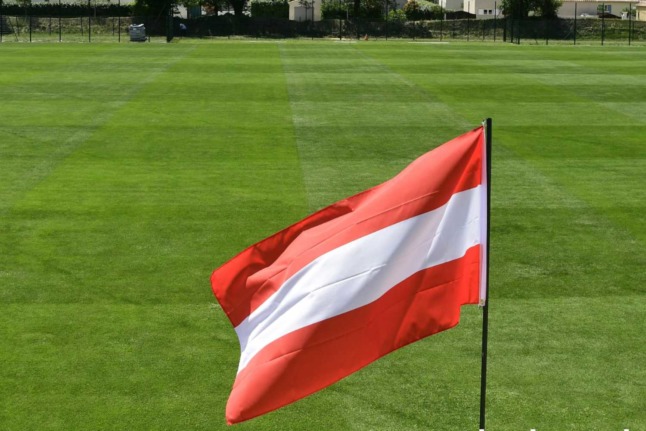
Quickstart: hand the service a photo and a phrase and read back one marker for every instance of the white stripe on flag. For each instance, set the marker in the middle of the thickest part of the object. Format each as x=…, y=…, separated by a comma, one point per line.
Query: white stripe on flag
x=363, y=270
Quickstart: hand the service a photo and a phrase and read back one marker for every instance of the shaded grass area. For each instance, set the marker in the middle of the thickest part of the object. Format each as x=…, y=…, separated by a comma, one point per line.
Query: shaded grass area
x=129, y=172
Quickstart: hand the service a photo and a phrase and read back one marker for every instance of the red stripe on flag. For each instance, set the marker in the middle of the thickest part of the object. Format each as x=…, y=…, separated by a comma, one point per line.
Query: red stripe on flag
x=242, y=284
x=316, y=356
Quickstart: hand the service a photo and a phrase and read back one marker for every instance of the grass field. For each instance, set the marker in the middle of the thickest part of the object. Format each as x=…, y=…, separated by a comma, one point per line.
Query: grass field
x=129, y=172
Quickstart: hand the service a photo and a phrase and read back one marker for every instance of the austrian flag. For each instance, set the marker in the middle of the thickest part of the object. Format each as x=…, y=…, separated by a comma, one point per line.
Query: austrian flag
x=356, y=280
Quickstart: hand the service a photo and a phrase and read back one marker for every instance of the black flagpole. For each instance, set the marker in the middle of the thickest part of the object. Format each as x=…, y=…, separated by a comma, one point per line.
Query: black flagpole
x=485, y=307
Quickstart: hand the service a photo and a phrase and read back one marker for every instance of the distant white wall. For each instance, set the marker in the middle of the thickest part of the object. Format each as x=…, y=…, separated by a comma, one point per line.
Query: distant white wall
x=452, y=4
x=483, y=9
x=301, y=12
x=589, y=7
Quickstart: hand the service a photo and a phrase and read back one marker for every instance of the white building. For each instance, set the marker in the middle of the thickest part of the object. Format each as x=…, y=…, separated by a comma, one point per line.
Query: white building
x=589, y=8
x=305, y=10
x=641, y=10
x=483, y=9
x=452, y=4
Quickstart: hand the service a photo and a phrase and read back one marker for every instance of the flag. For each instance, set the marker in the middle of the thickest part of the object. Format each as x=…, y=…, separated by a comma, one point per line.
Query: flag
x=358, y=279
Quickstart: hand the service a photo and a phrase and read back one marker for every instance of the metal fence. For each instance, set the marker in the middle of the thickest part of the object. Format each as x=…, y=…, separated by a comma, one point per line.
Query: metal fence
x=52, y=28
x=532, y=31
x=78, y=29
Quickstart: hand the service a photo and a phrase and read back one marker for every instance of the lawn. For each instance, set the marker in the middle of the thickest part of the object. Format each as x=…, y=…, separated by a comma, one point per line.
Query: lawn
x=128, y=172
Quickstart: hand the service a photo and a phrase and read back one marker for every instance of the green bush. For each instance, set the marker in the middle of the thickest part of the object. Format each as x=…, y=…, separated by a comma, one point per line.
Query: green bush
x=338, y=9
x=416, y=10
x=372, y=9
x=335, y=9
x=66, y=10
x=396, y=16
x=270, y=9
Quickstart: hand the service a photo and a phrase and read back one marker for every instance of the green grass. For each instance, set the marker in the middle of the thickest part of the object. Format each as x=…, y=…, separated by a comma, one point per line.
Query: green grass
x=129, y=172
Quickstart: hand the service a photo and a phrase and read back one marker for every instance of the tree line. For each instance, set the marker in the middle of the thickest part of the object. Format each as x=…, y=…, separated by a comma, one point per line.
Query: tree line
x=364, y=9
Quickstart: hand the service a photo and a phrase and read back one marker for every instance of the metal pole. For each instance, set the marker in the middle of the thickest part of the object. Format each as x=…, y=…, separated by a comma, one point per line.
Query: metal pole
x=1, y=22
x=49, y=12
x=386, y=20
x=485, y=306
x=312, y=32
x=603, y=22
x=119, y=20
x=483, y=30
x=29, y=20
x=89, y=21
x=442, y=26
x=468, y=20
x=575, y=23
x=630, y=21
x=495, y=21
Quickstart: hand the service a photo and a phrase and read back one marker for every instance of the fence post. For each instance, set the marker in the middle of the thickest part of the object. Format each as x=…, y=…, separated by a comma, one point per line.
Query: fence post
x=312, y=24
x=386, y=20
x=29, y=9
x=468, y=28
x=575, y=23
x=603, y=22
x=468, y=20
x=89, y=21
x=630, y=22
x=495, y=21
x=169, y=25
x=442, y=26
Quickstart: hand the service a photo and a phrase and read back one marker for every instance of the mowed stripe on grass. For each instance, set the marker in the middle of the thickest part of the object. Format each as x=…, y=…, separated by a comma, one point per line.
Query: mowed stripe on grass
x=566, y=230
x=180, y=157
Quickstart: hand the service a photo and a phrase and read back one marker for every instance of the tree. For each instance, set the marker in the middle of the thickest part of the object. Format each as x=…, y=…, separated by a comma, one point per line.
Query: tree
x=152, y=8
x=547, y=8
x=522, y=8
x=160, y=8
x=237, y=6
x=368, y=9
x=422, y=9
x=516, y=8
